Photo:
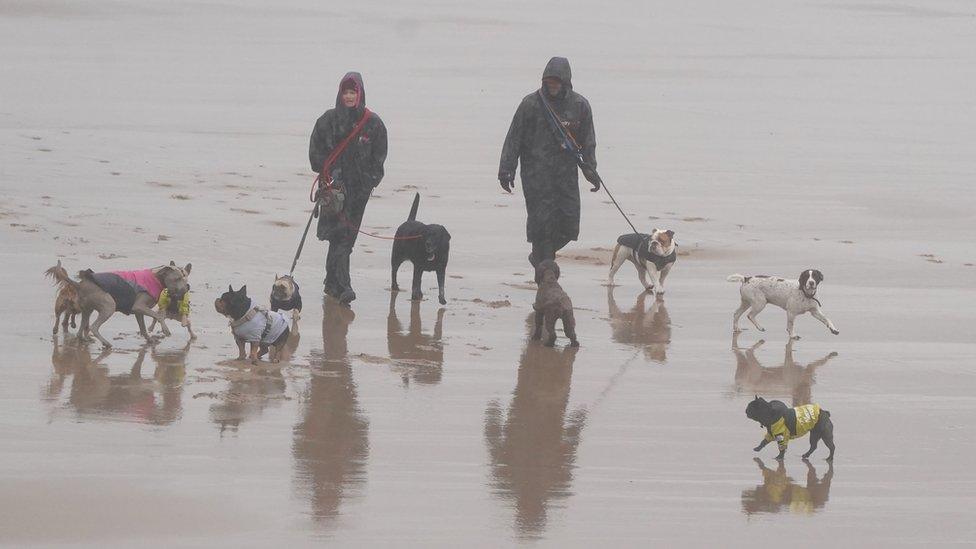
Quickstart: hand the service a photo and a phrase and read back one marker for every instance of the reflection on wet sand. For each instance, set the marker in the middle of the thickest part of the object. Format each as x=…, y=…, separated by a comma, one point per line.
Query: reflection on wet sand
x=331, y=444
x=533, y=448
x=788, y=379
x=779, y=492
x=253, y=388
x=416, y=355
x=649, y=330
x=96, y=393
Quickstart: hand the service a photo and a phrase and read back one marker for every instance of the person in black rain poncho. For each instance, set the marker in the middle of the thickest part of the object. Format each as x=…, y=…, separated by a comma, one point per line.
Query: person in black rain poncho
x=356, y=171
x=550, y=181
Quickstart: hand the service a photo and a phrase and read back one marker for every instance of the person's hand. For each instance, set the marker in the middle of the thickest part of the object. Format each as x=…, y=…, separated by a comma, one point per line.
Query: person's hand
x=507, y=181
x=591, y=176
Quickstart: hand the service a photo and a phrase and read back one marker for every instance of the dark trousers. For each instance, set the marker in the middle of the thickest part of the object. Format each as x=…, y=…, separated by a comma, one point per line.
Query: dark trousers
x=545, y=249
x=337, y=279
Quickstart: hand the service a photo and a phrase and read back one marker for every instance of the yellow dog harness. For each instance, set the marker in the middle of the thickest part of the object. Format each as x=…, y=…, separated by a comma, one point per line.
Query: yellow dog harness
x=806, y=419
x=184, y=306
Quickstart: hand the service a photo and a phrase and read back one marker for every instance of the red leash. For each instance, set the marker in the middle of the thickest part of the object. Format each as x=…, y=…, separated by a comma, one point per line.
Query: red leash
x=326, y=181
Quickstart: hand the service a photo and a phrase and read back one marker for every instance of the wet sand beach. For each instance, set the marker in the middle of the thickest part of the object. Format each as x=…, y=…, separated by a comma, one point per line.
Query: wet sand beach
x=770, y=137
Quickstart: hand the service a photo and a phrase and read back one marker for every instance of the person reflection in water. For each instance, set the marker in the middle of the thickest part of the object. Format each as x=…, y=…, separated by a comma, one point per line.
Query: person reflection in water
x=415, y=355
x=788, y=379
x=779, y=492
x=533, y=448
x=640, y=328
x=157, y=400
x=331, y=443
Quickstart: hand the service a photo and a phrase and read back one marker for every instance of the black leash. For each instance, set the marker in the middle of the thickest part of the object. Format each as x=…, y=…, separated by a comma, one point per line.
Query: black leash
x=304, y=236
x=569, y=143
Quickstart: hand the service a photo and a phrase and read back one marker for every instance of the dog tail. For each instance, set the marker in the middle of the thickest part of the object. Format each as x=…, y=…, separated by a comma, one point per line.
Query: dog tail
x=737, y=278
x=60, y=276
x=414, y=208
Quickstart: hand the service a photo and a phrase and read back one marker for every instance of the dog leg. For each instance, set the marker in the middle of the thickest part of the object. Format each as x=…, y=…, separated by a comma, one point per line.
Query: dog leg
x=143, y=308
x=57, y=320
x=189, y=328
x=103, y=315
x=655, y=279
x=762, y=444
x=664, y=274
x=73, y=315
x=616, y=262
x=83, y=330
x=440, y=286
x=642, y=275
x=254, y=352
x=550, y=330
x=418, y=274
x=757, y=308
x=737, y=314
x=790, y=330
x=814, y=439
x=539, y=319
x=569, y=326
x=141, y=321
x=827, y=434
x=818, y=314
x=394, y=267
x=152, y=326
x=240, y=348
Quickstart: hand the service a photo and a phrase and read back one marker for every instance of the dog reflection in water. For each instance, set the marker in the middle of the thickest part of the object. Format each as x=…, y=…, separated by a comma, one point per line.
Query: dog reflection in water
x=416, y=356
x=532, y=449
x=642, y=328
x=789, y=378
x=779, y=492
x=96, y=392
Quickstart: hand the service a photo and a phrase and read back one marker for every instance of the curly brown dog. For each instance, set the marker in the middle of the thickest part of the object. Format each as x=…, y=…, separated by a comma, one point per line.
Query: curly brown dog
x=67, y=301
x=552, y=304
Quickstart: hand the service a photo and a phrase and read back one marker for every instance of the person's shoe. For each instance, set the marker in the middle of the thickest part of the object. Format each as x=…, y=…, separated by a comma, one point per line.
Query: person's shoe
x=347, y=297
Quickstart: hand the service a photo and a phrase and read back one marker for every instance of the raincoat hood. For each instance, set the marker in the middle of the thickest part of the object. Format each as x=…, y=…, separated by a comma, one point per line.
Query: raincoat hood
x=357, y=80
x=558, y=67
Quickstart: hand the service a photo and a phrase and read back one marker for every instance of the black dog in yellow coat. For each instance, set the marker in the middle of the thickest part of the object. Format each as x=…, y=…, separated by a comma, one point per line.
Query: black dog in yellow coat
x=783, y=424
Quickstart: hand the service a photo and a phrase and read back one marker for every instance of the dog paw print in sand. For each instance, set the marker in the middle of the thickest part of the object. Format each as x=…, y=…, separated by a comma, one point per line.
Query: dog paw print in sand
x=179, y=196
x=931, y=258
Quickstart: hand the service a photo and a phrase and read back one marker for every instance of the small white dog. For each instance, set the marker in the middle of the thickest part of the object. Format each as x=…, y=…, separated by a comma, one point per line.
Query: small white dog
x=653, y=253
x=794, y=296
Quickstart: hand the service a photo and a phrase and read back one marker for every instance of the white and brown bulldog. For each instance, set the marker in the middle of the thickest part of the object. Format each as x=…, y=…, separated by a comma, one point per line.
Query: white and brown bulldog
x=652, y=254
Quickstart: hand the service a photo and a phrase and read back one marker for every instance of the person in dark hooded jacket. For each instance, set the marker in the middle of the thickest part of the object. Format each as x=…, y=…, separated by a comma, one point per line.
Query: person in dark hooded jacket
x=356, y=171
x=550, y=177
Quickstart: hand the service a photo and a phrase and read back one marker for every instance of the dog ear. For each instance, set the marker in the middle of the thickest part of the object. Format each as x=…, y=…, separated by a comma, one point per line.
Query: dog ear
x=670, y=233
x=243, y=290
x=230, y=288
x=172, y=263
x=187, y=269
x=818, y=276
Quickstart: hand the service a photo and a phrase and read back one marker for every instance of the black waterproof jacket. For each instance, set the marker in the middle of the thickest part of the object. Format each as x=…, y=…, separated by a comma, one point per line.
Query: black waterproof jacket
x=550, y=175
x=360, y=167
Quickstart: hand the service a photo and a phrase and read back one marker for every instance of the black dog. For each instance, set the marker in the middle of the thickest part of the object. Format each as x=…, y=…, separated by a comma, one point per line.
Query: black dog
x=264, y=330
x=783, y=423
x=426, y=246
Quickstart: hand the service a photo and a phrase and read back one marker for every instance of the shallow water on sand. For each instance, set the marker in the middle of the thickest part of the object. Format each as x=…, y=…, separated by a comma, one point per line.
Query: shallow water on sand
x=770, y=138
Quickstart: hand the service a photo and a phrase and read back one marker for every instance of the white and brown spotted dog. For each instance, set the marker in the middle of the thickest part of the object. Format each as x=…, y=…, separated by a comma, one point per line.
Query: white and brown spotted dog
x=794, y=296
x=652, y=254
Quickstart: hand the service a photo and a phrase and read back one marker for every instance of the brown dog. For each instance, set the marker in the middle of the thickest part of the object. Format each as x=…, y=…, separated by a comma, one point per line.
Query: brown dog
x=552, y=304
x=67, y=301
